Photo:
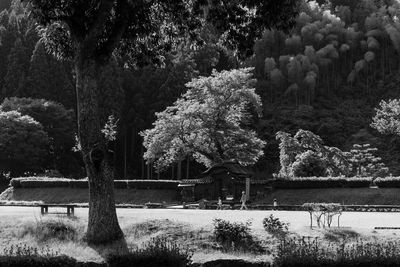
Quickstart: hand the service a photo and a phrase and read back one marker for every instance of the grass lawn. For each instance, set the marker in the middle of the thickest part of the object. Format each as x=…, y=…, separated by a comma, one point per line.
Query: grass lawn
x=345, y=196
x=189, y=228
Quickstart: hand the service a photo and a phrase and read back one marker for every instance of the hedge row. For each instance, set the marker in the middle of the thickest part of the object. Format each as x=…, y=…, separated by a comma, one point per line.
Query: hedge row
x=332, y=182
x=47, y=182
x=388, y=182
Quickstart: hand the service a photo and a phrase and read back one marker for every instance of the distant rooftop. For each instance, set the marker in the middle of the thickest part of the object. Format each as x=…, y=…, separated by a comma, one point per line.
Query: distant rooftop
x=232, y=168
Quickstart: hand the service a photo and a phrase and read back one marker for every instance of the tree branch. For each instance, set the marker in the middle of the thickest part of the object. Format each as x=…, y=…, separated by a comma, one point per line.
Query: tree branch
x=96, y=29
x=120, y=25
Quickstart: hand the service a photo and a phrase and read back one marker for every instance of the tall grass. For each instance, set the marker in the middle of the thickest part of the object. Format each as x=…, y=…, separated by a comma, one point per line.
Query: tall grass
x=310, y=252
x=157, y=252
x=43, y=230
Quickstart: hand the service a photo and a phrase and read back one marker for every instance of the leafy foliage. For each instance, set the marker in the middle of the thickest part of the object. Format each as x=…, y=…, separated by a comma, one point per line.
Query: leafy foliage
x=387, y=117
x=274, y=226
x=208, y=122
x=308, y=164
x=235, y=236
x=57, y=122
x=23, y=143
x=365, y=163
x=306, y=155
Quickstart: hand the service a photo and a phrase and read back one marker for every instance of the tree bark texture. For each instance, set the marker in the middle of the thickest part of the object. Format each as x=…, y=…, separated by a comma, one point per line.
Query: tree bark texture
x=103, y=224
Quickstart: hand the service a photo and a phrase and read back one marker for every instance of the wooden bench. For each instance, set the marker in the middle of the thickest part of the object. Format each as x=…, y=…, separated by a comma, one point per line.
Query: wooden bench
x=44, y=208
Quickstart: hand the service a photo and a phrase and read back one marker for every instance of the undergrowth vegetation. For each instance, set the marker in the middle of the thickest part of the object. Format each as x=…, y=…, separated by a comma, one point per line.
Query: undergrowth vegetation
x=44, y=230
x=340, y=235
x=275, y=227
x=29, y=256
x=311, y=252
x=157, y=252
x=235, y=236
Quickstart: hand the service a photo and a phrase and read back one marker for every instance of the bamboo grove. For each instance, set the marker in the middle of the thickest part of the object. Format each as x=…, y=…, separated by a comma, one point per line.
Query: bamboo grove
x=330, y=48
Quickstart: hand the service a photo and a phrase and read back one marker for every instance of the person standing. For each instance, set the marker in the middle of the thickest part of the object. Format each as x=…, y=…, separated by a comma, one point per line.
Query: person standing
x=219, y=204
x=243, y=199
x=275, y=204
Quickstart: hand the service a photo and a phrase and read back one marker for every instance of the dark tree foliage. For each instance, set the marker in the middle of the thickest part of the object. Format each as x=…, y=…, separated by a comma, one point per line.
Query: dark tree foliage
x=57, y=122
x=4, y=4
x=23, y=143
x=15, y=79
x=49, y=79
x=140, y=32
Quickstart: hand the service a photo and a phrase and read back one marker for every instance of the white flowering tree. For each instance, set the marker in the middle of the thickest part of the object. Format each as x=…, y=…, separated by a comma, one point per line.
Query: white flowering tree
x=210, y=122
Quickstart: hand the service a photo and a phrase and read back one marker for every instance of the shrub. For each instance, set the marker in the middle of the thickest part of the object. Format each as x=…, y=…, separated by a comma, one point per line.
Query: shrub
x=157, y=252
x=274, y=226
x=235, y=236
x=308, y=164
x=51, y=229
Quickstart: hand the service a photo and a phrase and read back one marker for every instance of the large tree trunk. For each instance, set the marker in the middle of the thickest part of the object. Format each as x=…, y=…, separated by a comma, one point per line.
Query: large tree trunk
x=103, y=223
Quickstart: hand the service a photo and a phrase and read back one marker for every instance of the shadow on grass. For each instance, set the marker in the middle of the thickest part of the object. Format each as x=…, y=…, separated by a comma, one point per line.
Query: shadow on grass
x=115, y=248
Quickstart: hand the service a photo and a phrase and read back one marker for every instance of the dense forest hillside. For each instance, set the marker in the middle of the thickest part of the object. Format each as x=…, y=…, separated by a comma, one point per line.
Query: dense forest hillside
x=326, y=75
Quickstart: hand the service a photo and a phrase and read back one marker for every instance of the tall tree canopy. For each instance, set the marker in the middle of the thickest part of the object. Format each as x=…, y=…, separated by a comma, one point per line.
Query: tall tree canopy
x=57, y=122
x=23, y=143
x=387, y=117
x=208, y=122
x=90, y=32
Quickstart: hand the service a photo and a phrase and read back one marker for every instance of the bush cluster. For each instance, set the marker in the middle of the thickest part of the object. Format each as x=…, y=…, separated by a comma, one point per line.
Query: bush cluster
x=275, y=227
x=309, y=164
x=47, y=182
x=235, y=236
x=309, y=252
x=157, y=252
